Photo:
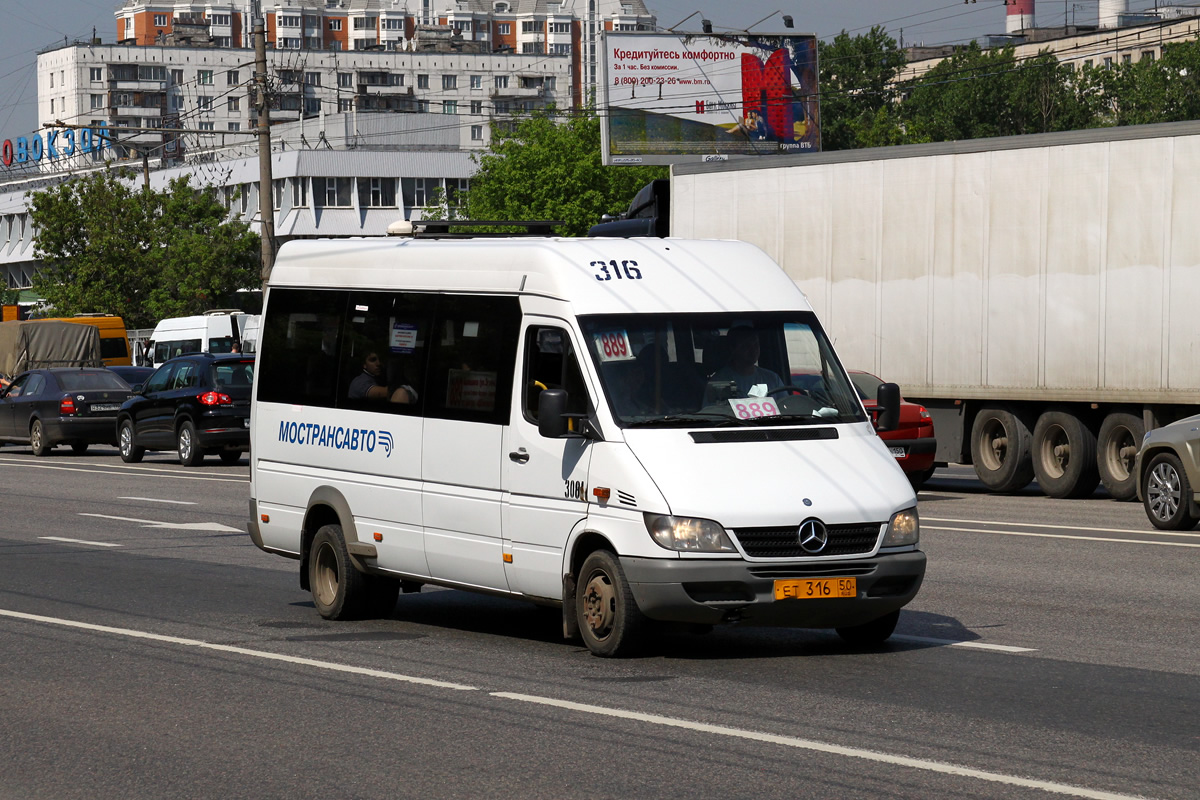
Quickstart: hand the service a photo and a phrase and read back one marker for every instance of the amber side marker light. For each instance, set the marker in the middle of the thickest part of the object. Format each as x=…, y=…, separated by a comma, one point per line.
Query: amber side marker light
x=266, y=518
x=508, y=558
x=378, y=536
x=601, y=492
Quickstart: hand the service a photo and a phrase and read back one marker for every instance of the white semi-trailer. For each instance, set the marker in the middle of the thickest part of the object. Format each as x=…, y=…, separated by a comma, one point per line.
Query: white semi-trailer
x=1040, y=295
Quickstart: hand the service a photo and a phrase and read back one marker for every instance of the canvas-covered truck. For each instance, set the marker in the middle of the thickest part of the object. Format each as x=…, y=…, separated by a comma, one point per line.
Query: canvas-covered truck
x=38, y=344
x=1038, y=294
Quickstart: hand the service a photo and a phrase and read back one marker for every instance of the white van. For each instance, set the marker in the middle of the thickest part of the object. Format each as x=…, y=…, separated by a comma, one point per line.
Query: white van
x=613, y=426
x=211, y=332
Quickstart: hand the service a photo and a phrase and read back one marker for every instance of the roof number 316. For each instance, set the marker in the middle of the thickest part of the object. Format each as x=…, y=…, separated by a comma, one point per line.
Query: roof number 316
x=611, y=269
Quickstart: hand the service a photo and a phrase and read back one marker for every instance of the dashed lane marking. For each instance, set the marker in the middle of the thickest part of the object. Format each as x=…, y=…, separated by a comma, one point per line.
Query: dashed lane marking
x=78, y=541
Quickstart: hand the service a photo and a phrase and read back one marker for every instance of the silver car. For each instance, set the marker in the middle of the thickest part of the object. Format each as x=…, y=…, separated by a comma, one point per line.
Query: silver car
x=1168, y=472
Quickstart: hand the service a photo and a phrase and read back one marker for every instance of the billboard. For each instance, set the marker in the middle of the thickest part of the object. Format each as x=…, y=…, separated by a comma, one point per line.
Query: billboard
x=671, y=98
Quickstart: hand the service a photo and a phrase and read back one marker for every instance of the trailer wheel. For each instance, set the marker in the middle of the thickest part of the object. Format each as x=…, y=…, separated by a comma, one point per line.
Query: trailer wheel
x=1167, y=494
x=1064, y=455
x=1000, y=450
x=1116, y=449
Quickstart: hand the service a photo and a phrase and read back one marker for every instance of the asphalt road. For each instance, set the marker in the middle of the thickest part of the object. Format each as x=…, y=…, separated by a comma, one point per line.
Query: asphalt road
x=148, y=650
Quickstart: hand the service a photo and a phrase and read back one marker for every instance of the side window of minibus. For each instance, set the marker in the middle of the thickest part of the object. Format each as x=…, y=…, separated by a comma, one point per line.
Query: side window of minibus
x=298, y=346
x=473, y=350
x=385, y=346
x=551, y=363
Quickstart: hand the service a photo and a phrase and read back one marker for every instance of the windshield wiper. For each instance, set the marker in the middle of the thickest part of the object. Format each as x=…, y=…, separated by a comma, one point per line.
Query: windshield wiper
x=712, y=420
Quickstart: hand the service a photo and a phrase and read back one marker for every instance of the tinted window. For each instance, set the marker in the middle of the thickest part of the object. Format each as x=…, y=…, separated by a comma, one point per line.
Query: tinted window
x=35, y=385
x=158, y=381
x=472, y=356
x=299, y=345
x=187, y=375
x=18, y=386
x=220, y=344
x=384, y=351
x=235, y=373
x=78, y=381
x=175, y=347
x=113, y=348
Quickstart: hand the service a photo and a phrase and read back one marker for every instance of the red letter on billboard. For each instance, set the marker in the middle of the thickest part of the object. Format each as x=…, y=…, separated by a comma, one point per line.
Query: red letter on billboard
x=767, y=91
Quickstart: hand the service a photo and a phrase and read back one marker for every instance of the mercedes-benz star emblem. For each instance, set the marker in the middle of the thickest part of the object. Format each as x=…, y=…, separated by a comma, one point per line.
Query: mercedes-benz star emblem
x=813, y=536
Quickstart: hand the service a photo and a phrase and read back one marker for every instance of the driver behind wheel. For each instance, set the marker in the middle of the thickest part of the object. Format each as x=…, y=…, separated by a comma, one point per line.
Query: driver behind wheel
x=742, y=368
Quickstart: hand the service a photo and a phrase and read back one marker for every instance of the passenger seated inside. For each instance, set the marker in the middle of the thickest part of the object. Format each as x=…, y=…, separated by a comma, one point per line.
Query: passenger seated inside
x=742, y=368
x=370, y=384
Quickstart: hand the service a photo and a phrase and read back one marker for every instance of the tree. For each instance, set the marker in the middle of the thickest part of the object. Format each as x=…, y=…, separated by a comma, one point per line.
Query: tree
x=109, y=248
x=542, y=168
x=857, y=84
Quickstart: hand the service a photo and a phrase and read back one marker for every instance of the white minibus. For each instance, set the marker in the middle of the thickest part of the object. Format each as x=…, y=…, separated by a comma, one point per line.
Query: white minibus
x=211, y=332
x=615, y=427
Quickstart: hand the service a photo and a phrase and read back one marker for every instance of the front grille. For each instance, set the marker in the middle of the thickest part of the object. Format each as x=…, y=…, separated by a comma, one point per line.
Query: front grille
x=844, y=540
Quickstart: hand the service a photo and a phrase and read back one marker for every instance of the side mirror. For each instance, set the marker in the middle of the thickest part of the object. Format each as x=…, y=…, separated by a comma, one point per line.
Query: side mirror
x=888, y=398
x=552, y=404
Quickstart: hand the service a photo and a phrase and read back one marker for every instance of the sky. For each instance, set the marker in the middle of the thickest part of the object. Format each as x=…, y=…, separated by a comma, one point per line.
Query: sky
x=28, y=27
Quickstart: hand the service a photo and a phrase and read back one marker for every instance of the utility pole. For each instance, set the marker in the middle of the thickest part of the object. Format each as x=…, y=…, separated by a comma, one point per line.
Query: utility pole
x=266, y=189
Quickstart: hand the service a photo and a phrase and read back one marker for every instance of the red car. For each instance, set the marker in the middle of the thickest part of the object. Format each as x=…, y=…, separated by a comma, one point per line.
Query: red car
x=912, y=442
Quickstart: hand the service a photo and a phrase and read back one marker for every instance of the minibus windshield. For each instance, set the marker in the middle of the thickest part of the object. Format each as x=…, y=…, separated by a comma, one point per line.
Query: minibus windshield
x=727, y=369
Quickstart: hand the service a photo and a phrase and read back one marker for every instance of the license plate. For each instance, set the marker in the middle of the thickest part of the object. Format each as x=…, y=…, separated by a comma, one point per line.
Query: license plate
x=816, y=588
x=898, y=452
x=105, y=407
x=246, y=422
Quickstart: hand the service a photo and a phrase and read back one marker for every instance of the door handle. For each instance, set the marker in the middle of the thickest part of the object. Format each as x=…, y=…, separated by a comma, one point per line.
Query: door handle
x=519, y=455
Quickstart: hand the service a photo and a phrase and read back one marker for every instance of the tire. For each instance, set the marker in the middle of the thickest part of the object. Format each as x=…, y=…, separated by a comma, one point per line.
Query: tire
x=1064, y=455
x=339, y=591
x=190, y=454
x=230, y=456
x=1000, y=450
x=79, y=448
x=1116, y=450
x=1167, y=494
x=130, y=452
x=37, y=439
x=871, y=633
x=610, y=622
x=917, y=479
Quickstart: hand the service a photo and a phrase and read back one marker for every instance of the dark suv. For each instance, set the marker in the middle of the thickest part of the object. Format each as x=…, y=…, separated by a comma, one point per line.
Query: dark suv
x=194, y=404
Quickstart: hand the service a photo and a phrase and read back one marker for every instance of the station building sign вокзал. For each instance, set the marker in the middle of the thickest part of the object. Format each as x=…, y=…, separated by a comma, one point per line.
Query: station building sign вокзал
x=675, y=98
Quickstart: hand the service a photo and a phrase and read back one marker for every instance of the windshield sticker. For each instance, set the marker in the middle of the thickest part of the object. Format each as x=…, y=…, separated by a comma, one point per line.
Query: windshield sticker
x=613, y=346
x=753, y=409
x=624, y=270
x=404, y=337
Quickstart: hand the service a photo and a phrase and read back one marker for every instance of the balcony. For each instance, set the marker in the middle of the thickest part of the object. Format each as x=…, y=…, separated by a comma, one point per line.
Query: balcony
x=518, y=93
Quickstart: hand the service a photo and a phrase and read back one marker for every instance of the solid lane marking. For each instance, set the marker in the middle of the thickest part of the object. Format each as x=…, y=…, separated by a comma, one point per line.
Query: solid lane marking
x=78, y=541
x=1151, y=532
x=157, y=500
x=1061, y=536
x=111, y=470
x=1002, y=648
x=652, y=719
x=820, y=747
x=243, y=651
x=178, y=526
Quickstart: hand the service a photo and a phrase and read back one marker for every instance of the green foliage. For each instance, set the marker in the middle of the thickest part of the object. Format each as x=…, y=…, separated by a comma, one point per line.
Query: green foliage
x=545, y=168
x=107, y=247
x=857, y=76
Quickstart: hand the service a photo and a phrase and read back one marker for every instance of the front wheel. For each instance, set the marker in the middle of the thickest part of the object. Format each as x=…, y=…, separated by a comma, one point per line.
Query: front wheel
x=338, y=589
x=190, y=455
x=130, y=452
x=609, y=620
x=37, y=439
x=1167, y=494
x=871, y=633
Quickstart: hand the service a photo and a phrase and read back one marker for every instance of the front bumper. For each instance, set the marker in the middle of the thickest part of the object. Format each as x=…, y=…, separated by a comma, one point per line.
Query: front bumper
x=712, y=592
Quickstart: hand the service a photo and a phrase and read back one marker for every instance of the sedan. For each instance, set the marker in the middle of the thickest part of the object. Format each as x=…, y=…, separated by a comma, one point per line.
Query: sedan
x=912, y=442
x=67, y=405
x=1168, y=474
x=195, y=405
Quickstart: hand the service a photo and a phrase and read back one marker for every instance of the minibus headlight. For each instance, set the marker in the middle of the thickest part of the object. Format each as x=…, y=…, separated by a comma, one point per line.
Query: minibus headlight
x=903, y=528
x=686, y=533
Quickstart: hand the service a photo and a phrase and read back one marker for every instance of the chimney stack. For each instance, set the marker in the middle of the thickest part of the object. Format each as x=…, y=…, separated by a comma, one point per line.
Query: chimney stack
x=1020, y=16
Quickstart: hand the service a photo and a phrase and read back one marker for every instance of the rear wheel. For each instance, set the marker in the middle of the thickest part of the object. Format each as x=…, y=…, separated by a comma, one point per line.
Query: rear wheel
x=79, y=448
x=1167, y=494
x=609, y=620
x=338, y=589
x=190, y=454
x=130, y=452
x=871, y=633
x=230, y=456
x=1064, y=455
x=1116, y=450
x=1000, y=450
x=37, y=439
